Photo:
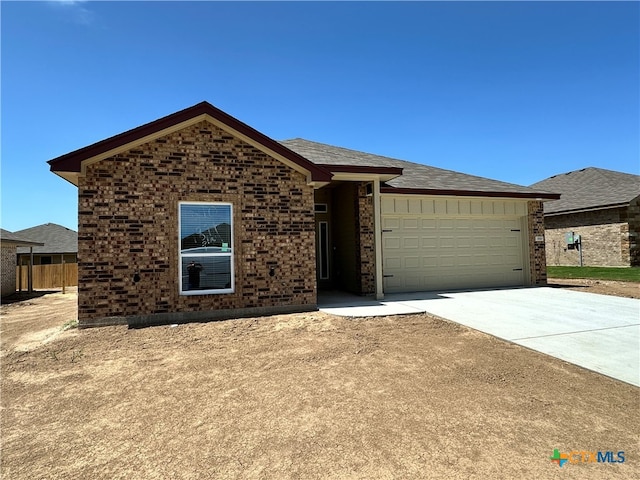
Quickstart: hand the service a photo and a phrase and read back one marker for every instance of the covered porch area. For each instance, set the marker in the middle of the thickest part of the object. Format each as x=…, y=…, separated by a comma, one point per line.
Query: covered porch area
x=348, y=230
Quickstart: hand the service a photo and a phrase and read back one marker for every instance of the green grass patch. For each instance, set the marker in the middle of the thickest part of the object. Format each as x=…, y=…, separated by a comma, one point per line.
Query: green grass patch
x=629, y=274
x=69, y=324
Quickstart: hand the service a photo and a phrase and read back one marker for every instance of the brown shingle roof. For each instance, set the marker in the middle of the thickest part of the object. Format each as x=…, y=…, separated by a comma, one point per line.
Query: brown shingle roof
x=590, y=188
x=415, y=177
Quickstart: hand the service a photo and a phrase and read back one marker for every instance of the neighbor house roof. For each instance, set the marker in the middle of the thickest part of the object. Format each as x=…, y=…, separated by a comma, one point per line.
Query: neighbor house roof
x=15, y=239
x=70, y=165
x=415, y=178
x=590, y=188
x=53, y=238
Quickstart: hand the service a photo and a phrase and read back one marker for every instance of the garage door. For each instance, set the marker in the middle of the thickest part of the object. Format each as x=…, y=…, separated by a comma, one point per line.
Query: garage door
x=433, y=243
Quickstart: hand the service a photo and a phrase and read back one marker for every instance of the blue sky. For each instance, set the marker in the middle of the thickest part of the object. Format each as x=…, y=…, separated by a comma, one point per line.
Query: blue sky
x=515, y=91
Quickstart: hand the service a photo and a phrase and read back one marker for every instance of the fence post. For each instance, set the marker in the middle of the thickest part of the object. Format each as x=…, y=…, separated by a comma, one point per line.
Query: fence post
x=64, y=275
x=30, y=273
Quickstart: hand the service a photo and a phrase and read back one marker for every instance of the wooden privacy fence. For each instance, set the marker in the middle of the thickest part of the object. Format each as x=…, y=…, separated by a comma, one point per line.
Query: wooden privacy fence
x=47, y=276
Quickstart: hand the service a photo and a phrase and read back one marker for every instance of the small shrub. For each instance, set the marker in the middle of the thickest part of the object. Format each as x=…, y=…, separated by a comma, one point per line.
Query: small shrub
x=70, y=324
x=76, y=355
x=53, y=354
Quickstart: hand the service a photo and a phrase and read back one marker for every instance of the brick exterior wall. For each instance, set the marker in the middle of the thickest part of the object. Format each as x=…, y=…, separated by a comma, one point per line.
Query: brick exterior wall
x=609, y=237
x=365, y=234
x=128, y=224
x=537, y=257
x=8, y=269
x=630, y=231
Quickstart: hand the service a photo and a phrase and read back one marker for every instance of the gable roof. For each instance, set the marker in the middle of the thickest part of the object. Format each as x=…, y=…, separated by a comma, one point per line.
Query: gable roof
x=70, y=165
x=9, y=238
x=590, y=188
x=319, y=162
x=53, y=238
x=415, y=178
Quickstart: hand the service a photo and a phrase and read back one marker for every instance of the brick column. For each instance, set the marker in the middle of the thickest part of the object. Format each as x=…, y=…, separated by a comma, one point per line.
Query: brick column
x=537, y=256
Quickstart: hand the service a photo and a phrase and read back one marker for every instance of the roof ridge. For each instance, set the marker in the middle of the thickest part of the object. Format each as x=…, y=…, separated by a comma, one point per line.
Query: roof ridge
x=416, y=176
x=595, y=169
x=48, y=224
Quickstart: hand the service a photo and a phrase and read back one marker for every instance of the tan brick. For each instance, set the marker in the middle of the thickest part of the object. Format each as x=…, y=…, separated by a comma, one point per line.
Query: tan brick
x=609, y=237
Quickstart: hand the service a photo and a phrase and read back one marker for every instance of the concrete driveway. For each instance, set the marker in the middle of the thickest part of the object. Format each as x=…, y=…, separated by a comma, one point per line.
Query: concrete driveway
x=598, y=332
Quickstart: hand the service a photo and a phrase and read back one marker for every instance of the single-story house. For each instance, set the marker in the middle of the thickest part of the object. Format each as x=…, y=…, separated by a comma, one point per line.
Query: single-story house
x=197, y=216
x=9, y=242
x=599, y=207
x=59, y=243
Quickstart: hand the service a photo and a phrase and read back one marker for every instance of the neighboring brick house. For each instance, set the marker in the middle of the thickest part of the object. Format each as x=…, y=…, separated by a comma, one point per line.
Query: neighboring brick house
x=59, y=243
x=198, y=216
x=9, y=242
x=603, y=207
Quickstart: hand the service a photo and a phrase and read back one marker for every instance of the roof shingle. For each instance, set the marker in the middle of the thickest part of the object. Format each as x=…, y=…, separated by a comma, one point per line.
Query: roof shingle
x=13, y=239
x=414, y=175
x=590, y=188
x=56, y=239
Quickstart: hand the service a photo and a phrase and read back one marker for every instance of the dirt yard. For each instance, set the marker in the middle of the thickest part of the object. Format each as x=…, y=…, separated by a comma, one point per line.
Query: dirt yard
x=305, y=396
x=603, y=287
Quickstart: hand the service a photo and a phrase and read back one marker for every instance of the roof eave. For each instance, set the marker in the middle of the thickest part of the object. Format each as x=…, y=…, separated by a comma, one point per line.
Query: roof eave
x=362, y=172
x=21, y=243
x=71, y=165
x=587, y=209
x=470, y=193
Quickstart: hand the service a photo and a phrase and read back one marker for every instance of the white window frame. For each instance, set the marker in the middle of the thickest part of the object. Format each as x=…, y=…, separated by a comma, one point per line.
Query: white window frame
x=323, y=241
x=229, y=254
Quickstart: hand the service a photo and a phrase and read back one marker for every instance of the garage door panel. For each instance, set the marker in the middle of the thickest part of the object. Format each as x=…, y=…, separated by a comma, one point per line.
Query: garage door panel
x=429, y=242
x=448, y=251
x=391, y=223
x=429, y=224
x=465, y=242
x=446, y=241
x=446, y=224
x=391, y=243
x=496, y=242
x=447, y=261
x=429, y=262
x=480, y=242
x=480, y=260
x=412, y=262
x=410, y=223
x=511, y=242
x=411, y=242
x=392, y=263
x=465, y=260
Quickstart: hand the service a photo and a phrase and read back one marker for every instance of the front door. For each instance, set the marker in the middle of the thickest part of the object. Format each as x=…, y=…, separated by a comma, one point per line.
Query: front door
x=323, y=246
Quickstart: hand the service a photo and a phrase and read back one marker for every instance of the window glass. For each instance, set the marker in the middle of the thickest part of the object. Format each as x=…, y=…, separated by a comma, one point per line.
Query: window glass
x=206, y=248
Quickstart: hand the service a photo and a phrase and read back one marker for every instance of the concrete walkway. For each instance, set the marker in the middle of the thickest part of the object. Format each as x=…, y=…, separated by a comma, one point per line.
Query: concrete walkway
x=598, y=332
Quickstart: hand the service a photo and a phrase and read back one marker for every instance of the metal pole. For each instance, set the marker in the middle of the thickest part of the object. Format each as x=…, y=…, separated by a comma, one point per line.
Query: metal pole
x=580, y=250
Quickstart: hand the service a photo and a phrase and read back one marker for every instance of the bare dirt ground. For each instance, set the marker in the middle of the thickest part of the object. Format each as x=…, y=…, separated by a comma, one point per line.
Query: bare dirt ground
x=603, y=287
x=301, y=396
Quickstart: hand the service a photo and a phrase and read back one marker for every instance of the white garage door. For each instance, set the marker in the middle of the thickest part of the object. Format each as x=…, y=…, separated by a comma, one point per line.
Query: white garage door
x=430, y=243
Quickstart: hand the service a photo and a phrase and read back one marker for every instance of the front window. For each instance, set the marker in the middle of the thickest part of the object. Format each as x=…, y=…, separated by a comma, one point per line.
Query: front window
x=206, y=248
